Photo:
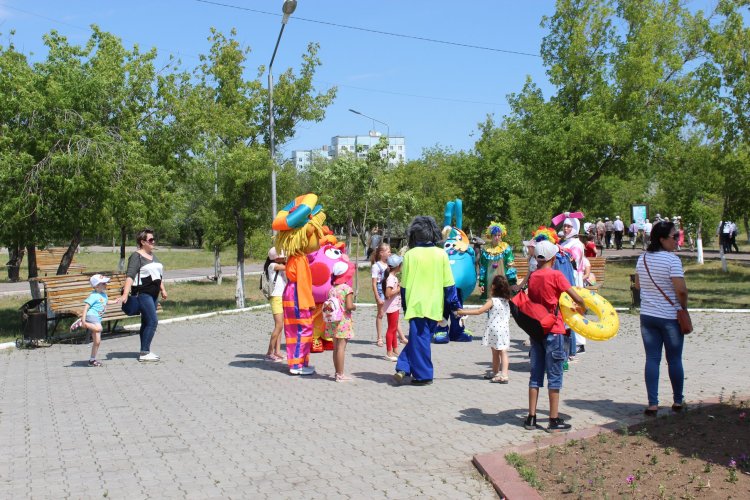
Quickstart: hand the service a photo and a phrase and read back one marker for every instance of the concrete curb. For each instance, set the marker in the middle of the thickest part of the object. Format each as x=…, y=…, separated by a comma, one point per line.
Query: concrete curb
x=509, y=484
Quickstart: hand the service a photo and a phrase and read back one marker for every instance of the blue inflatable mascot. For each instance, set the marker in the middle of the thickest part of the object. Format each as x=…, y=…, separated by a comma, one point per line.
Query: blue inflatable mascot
x=461, y=257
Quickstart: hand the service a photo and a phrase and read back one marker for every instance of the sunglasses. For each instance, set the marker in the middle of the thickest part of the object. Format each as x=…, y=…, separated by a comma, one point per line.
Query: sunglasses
x=150, y=240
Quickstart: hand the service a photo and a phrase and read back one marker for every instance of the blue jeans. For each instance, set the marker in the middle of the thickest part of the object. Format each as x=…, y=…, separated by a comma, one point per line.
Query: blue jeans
x=548, y=357
x=658, y=332
x=149, y=320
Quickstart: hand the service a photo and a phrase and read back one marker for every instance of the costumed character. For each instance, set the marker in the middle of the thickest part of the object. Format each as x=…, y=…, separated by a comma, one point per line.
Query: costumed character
x=570, y=242
x=461, y=258
x=574, y=247
x=496, y=257
x=321, y=262
x=426, y=284
x=300, y=228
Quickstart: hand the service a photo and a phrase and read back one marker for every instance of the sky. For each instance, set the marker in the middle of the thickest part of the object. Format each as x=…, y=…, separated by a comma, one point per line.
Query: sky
x=433, y=94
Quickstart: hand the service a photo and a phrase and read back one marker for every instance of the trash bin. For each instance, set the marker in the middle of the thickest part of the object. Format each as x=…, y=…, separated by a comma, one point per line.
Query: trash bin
x=34, y=320
x=635, y=293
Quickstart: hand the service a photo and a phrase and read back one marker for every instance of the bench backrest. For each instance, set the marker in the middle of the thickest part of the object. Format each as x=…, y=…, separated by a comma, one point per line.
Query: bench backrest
x=48, y=260
x=65, y=294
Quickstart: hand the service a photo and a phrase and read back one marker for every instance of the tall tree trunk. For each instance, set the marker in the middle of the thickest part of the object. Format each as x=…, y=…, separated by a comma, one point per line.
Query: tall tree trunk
x=240, y=290
x=123, y=238
x=67, y=257
x=36, y=292
x=15, y=252
x=217, y=265
x=747, y=227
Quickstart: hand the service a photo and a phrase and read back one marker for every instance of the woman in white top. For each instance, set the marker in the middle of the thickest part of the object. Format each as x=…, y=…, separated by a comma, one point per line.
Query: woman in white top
x=660, y=269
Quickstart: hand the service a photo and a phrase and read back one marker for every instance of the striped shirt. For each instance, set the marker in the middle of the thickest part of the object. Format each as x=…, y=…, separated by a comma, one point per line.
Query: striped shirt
x=663, y=266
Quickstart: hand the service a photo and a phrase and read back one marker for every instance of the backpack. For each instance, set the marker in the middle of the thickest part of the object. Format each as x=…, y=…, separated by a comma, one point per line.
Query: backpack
x=333, y=309
x=531, y=317
x=266, y=285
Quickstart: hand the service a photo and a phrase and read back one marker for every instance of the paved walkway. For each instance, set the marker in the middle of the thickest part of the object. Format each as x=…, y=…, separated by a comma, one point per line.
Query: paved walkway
x=214, y=420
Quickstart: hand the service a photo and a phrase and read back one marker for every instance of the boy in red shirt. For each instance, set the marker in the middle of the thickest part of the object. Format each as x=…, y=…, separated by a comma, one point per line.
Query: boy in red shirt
x=545, y=287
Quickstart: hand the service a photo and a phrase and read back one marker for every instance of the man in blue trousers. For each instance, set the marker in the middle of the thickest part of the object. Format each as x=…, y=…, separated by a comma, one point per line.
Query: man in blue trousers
x=426, y=284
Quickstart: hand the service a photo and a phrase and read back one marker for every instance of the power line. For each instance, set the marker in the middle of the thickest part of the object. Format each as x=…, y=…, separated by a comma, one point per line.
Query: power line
x=378, y=32
x=447, y=99
x=365, y=89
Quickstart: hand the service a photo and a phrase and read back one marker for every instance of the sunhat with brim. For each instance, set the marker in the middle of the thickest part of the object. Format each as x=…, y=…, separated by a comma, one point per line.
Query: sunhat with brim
x=529, y=243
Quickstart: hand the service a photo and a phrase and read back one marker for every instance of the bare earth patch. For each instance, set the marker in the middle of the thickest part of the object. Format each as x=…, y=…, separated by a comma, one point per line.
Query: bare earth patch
x=699, y=453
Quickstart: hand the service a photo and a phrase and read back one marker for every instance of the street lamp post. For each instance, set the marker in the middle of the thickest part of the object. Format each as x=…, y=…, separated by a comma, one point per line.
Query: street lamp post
x=388, y=129
x=287, y=9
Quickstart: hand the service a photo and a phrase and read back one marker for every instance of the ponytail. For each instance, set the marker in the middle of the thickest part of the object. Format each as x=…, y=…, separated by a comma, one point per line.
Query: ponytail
x=385, y=279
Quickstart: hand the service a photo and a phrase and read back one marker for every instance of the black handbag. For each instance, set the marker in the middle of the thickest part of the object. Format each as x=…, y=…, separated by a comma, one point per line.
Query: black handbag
x=133, y=307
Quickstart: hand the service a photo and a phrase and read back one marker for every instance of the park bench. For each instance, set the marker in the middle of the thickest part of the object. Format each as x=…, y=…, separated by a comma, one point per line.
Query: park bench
x=48, y=260
x=598, y=265
x=65, y=295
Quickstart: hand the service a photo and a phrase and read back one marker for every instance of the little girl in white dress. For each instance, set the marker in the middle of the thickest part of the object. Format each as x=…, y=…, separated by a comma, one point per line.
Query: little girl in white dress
x=497, y=334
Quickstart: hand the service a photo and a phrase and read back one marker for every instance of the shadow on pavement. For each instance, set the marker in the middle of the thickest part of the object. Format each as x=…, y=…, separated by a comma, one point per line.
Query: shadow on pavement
x=123, y=355
x=514, y=416
x=78, y=364
x=366, y=355
x=382, y=378
x=606, y=407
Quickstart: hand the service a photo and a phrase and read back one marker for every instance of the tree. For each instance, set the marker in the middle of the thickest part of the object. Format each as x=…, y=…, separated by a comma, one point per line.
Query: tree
x=226, y=116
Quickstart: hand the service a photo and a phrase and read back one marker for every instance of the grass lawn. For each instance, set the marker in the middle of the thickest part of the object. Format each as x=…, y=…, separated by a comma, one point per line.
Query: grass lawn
x=708, y=287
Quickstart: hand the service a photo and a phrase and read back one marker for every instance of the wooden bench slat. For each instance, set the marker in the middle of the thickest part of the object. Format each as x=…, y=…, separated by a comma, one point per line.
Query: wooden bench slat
x=598, y=268
x=65, y=295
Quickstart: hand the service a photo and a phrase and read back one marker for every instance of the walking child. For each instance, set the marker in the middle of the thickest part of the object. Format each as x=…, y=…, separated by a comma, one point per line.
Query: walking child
x=93, y=310
x=497, y=334
x=392, y=292
x=379, y=261
x=339, y=324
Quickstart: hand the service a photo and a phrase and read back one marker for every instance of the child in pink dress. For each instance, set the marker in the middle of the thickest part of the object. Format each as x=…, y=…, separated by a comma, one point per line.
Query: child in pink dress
x=341, y=331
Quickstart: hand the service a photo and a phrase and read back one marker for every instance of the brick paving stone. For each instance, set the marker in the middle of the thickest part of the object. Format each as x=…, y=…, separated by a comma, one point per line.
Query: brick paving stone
x=213, y=410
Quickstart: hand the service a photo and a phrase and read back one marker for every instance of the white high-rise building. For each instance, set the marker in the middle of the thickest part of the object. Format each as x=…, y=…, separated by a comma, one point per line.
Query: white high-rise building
x=303, y=158
x=346, y=143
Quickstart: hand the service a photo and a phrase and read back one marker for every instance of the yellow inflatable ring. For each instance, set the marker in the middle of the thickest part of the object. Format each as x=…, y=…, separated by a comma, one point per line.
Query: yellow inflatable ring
x=296, y=213
x=604, y=329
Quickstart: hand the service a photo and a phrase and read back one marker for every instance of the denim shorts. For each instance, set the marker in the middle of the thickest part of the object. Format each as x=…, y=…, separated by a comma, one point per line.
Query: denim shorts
x=93, y=319
x=548, y=357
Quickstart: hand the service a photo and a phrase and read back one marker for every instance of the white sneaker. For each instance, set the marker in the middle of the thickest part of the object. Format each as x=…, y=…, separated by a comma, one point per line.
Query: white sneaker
x=305, y=370
x=148, y=357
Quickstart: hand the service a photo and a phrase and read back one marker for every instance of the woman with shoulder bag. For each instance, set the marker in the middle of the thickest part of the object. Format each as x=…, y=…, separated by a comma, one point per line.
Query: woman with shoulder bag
x=664, y=296
x=144, y=284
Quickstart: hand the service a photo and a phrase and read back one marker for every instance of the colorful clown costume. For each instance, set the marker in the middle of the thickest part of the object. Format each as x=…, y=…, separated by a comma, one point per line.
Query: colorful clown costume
x=300, y=227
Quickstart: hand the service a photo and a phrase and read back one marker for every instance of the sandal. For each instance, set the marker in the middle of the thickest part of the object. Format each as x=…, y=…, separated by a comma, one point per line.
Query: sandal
x=93, y=362
x=340, y=377
x=500, y=379
x=490, y=375
x=379, y=342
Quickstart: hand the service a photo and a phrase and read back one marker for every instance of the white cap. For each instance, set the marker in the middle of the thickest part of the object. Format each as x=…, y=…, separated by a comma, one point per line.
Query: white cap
x=98, y=279
x=545, y=249
x=529, y=243
x=394, y=260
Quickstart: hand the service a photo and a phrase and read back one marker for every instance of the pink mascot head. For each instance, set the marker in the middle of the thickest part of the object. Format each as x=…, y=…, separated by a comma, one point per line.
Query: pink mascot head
x=322, y=260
